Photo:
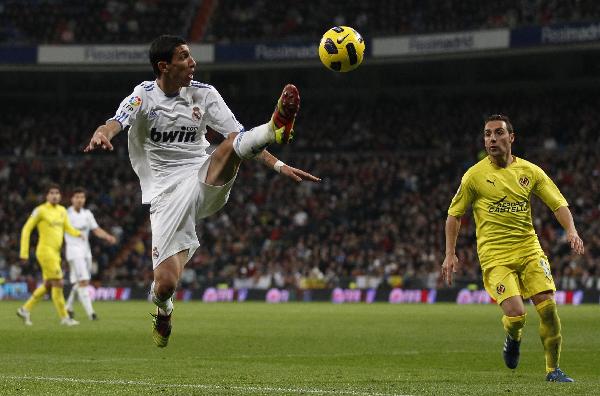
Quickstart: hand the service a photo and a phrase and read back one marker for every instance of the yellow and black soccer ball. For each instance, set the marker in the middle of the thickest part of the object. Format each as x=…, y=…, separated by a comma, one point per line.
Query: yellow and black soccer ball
x=342, y=49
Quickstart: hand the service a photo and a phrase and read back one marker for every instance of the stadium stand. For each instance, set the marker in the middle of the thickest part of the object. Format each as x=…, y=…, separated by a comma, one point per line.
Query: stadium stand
x=389, y=17
x=139, y=21
x=386, y=230
x=94, y=21
x=376, y=219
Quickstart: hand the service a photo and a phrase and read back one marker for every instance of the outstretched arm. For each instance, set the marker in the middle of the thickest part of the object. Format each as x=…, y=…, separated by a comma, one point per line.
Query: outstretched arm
x=564, y=217
x=100, y=233
x=450, y=264
x=103, y=135
x=296, y=174
x=69, y=229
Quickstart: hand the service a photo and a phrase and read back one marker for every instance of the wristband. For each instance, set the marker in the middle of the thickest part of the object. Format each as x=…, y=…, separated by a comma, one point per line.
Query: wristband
x=278, y=166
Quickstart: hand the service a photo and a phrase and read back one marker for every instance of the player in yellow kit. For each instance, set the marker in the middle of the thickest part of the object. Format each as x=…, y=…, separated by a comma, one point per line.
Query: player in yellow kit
x=514, y=266
x=52, y=222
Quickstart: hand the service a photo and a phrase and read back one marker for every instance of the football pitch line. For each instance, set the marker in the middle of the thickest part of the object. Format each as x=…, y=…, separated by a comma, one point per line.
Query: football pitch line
x=208, y=387
x=36, y=357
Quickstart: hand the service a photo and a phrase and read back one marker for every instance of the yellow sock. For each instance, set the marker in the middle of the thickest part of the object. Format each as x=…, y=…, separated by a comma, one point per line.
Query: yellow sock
x=513, y=325
x=550, y=332
x=36, y=296
x=58, y=298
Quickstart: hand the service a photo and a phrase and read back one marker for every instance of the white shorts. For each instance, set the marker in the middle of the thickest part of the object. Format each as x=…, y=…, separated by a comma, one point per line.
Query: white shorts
x=79, y=269
x=173, y=214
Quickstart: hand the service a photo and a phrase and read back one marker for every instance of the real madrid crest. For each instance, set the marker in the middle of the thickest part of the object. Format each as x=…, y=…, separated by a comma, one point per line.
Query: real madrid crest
x=196, y=113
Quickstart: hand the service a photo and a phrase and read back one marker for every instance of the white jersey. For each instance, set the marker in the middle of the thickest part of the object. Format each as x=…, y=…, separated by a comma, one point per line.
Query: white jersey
x=84, y=221
x=167, y=133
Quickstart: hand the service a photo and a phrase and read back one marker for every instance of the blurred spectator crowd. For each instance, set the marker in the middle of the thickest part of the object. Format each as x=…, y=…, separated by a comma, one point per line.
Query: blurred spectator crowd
x=139, y=21
x=92, y=21
x=260, y=19
x=376, y=219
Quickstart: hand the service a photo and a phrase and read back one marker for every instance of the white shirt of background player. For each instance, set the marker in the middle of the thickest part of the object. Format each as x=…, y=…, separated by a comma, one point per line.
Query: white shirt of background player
x=78, y=252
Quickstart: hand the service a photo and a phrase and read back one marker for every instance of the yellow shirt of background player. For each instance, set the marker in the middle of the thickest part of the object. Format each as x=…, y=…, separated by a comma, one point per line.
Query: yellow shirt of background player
x=52, y=222
x=501, y=207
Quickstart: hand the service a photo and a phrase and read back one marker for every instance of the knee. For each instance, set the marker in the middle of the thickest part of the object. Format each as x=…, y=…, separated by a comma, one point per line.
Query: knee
x=83, y=283
x=542, y=298
x=165, y=284
x=231, y=137
x=59, y=283
x=513, y=306
x=514, y=311
x=227, y=144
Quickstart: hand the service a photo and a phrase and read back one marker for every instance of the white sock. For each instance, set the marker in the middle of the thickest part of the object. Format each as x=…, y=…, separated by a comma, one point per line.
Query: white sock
x=86, y=301
x=164, y=307
x=72, y=297
x=248, y=144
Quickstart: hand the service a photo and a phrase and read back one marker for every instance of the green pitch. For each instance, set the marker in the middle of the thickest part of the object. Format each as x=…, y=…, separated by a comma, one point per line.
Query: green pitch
x=290, y=349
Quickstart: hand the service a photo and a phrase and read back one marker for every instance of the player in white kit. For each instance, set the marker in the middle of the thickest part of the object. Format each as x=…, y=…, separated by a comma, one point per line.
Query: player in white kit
x=181, y=177
x=79, y=254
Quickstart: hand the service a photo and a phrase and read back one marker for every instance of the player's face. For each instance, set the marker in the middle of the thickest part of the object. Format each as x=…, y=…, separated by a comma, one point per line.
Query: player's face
x=53, y=196
x=78, y=200
x=497, y=138
x=181, y=68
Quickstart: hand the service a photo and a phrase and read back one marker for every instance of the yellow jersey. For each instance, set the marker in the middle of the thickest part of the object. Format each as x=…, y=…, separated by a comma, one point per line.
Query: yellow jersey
x=501, y=207
x=52, y=222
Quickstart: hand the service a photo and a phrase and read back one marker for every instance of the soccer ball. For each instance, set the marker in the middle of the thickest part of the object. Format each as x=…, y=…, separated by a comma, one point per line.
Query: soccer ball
x=341, y=49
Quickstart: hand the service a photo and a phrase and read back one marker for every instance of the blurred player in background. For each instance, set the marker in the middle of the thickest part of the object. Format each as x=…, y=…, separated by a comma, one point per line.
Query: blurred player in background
x=181, y=177
x=514, y=266
x=79, y=254
x=52, y=222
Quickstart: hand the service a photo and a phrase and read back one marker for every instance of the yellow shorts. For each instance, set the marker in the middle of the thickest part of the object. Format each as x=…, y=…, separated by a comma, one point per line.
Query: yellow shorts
x=51, y=265
x=525, y=277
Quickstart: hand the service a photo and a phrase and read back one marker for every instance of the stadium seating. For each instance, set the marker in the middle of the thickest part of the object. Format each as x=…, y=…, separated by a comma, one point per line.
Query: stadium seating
x=376, y=219
x=92, y=22
x=109, y=21
x=255, y=20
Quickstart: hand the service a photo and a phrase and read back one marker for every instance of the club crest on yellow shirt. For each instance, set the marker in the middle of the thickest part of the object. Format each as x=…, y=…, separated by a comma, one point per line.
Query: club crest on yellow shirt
x=524, y=181
x=500, y=289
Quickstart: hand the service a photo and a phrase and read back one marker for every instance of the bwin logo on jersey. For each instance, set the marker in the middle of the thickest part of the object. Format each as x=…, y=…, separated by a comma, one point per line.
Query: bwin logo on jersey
x=183, y=135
